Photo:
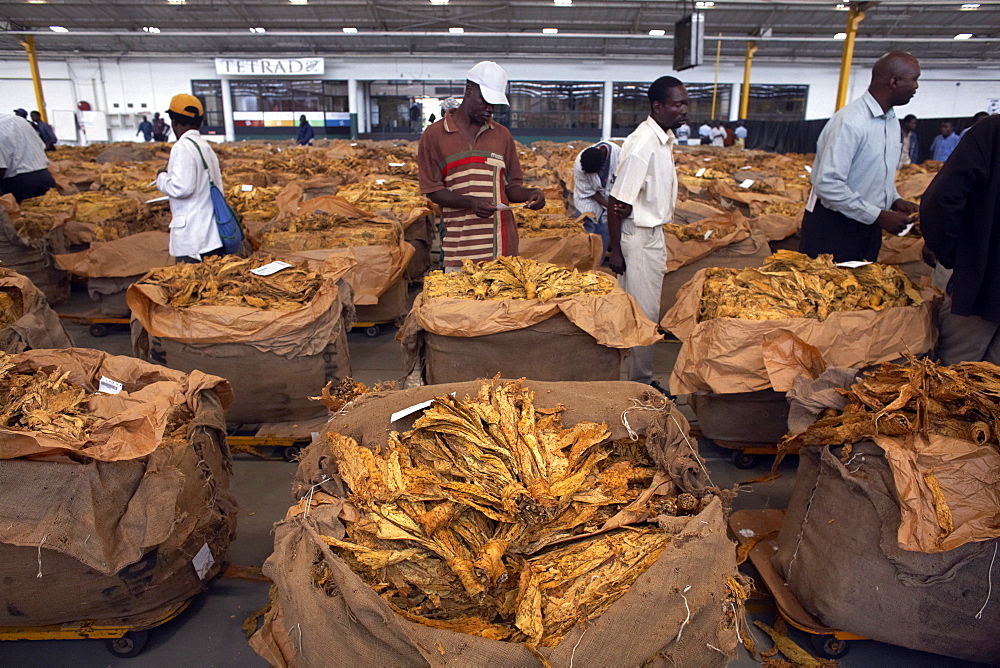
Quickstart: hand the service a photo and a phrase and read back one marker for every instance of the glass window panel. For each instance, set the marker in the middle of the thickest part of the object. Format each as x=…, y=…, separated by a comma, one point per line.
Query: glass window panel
x=555, y=104
x=777, y=102
x=630, y=104
x=396, y=105
x=210, y=93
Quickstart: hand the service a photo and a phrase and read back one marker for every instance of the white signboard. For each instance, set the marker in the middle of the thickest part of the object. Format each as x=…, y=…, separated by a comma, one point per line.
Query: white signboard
x=993, y=105
x=269, y=66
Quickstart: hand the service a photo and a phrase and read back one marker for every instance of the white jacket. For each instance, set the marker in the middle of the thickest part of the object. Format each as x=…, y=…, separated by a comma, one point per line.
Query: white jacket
x=192, y=228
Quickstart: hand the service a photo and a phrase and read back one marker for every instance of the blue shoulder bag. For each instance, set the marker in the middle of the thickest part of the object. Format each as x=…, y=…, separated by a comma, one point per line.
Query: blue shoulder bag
x=225, y=218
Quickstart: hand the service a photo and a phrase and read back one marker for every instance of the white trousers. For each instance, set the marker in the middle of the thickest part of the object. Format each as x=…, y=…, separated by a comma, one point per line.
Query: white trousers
x=645, y=253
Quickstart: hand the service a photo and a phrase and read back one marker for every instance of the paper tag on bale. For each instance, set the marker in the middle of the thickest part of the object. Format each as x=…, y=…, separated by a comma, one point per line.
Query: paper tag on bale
x=700, y=172
x=747, y=183
x=247, y=188
x=108, y=386
x=270, y=268
x=397, y=164
x=203, y=561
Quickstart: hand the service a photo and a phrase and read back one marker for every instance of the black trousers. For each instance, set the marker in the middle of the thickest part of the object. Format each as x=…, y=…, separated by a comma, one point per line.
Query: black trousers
x=184, y=259
x=826, y=231
x=30, y=184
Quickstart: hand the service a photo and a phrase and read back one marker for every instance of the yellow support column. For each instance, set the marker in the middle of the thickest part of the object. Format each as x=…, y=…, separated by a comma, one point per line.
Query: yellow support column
x=854, y=17
x=29, y=45
x=745, y=97
x=715, y=86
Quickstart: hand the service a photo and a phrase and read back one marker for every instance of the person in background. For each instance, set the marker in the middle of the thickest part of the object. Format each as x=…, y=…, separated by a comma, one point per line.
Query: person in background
x=979, y=115
x=592, y=172
x=24, y=169
x=22, y=113
x=306, y=132
x=741, y=135
x=683, y=134
x=944, y=143
x=641, y=201
x=194, y=234
x=854, y=195
x=44, y=131
x=705, y=134
x=431, y=119
x=910, y=154
x=160, y=128
x=468, y=166
x=960, y=221
x=717, y=134
x=146, y=128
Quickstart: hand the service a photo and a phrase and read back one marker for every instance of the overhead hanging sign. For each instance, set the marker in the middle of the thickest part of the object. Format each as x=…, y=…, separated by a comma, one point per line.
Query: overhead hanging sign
x=269, y=66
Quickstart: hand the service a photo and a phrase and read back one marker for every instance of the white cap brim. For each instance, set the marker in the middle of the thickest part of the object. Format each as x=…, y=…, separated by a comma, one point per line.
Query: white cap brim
x=493, y=96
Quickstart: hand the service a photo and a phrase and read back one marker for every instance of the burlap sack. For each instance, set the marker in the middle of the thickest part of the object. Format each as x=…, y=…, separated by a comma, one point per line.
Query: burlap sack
x=275, y=360
x=110, y=294
x=510, y=336
x=581, y=251
x=33, y=259
x=727, y=355
x=391, y=306
x=750, y=252
x=727, y=229
x=838, y=551
x=347, y=618
x=419, y=234
x=743, y=417
x=38, y=325
x=114, y=541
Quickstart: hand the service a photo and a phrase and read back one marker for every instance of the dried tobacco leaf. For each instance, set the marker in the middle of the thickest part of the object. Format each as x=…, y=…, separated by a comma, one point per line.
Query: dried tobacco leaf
x=538, y=224
x=395, y=195
x=515, y=278
x=227, y=280
x=43, y=402
x=319, y=230
x=482, y=519
x=792, y=285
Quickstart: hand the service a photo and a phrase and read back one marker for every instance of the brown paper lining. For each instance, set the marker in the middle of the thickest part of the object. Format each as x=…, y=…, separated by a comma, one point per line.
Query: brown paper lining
x=577, y=251
x=129, y=256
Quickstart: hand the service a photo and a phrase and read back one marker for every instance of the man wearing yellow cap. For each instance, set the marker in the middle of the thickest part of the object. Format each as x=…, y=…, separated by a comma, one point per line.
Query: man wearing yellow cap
x=193, y=231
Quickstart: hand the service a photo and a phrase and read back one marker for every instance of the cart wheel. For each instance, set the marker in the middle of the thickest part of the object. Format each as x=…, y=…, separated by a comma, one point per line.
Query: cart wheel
x=373, y=331
x=829, y=647
x=98, y=330
x=742, y=460
x=291, y=453
x=129, y=645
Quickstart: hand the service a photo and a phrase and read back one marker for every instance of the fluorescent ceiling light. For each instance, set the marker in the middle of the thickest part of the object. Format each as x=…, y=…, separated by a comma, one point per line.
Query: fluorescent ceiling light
x=36, y=2
x=704, y=5
x=657, y=33
x=456, y=31
x=562, y=3
x=298, y=2
x=970, y=6
x=963, y=35
x=842, y=7
x=550, y=31
x=257, y=30
x=151, y=30
x=840, y=35
x=58, y=29
x=439, y=2
x=350, y=31
x=176, y=2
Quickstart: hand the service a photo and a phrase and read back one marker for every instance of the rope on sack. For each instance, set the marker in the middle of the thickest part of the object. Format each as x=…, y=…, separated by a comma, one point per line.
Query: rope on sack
x=664, y=407
x=312, y=490
x=40, y=557
x=686, y=619
x=989, y=575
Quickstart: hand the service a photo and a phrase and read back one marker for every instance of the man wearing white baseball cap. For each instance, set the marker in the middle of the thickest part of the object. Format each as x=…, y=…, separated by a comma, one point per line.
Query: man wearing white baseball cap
x=469, y=167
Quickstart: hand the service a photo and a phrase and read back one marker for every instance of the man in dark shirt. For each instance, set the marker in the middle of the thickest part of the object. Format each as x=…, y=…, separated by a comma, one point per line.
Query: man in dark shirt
x=469, y=167
x=44, y=131
x=960, y=221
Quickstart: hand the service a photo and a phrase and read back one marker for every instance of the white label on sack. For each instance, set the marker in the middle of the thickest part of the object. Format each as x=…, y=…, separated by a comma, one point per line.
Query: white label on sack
x=809, y=169
x=906, y=230
x=314, y=434
x=108, y=386
x=354, y=143
x=853, y=264
x=708, y=160
x=802, y=176
x=747, y=183
x=379, y=181
x=270, y=268
x=397, y=164
x=247, y=188
x=700, y=172
x=399, y=415
x=708, y=234
x=747, y=167
x=203, y=561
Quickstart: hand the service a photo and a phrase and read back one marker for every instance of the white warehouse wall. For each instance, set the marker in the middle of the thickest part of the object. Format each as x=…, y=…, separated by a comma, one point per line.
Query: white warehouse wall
x=944, y=92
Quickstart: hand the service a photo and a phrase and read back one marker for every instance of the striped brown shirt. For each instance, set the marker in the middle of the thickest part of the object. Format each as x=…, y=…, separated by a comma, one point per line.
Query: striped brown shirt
x=483, y=169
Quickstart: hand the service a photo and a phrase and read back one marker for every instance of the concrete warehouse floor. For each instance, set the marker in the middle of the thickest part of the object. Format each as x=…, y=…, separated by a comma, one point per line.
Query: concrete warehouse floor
x=208, y=633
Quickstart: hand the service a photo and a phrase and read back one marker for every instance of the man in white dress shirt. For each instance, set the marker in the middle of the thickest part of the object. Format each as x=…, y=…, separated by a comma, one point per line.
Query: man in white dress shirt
x=194, y=234
x=854, y=193
x=641, y=202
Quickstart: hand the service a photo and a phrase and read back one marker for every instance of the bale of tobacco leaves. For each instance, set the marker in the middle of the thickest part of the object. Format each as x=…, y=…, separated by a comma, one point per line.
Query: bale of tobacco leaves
x=504, y=523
